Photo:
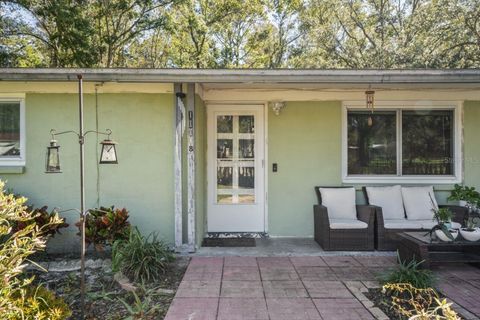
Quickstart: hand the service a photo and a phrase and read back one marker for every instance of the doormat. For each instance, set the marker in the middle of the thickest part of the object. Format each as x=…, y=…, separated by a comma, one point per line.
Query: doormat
x=228, y=242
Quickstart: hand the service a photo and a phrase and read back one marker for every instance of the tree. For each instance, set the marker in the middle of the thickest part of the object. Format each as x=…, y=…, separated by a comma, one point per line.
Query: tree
x=195, y=21
x=60, y=29
x=276, y=39
x=231, y=34
x=120, y=23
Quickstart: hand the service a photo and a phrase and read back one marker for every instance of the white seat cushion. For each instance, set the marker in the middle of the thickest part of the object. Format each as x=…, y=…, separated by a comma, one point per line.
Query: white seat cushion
x=340, y=202
x=347, y=224
x=402, y=224
x=429, y=224
x=389, y=199
x=419, y=202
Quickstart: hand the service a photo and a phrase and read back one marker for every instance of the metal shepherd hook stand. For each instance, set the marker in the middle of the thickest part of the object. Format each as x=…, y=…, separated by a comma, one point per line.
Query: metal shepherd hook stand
x=108, y=155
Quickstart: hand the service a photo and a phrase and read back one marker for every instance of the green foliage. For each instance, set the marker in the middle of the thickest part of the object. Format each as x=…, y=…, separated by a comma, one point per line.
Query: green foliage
x=418, y=303
x=442, y=215
x=17, y=295
x=140, y=258
x=41, y=218
x=465, y=193
x=41, y=304
x=471, y=223
x=410, y=273
x=241, y=34
x=141, y=304
x=106, y=225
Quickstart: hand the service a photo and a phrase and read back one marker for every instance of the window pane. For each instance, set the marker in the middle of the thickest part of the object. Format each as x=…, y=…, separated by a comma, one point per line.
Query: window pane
x=224, y=124
x=372, y=142
x=246, y=177
x=224, y=177
x=246, y=148
x=246, y=124
x=427, y=142
x=224, y=148
x=9, y=129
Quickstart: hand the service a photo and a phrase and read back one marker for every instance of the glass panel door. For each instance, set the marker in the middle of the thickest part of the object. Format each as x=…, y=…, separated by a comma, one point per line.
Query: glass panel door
x=235, y=163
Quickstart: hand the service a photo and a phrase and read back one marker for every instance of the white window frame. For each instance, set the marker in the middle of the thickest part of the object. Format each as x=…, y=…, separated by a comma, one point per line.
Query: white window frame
x=21, y=160
x=456, y=106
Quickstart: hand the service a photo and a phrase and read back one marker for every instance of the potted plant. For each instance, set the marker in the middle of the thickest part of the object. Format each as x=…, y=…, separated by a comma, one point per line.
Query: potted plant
x=466, y=196
x=471, y=232
x=442, y=229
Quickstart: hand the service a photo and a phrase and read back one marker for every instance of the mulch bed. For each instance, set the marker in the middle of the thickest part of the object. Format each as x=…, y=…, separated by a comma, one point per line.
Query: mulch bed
x=106, y=299
x=384, y=303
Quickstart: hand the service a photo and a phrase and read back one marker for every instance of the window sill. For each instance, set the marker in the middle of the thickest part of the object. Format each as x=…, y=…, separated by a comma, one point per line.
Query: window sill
x=402, y=180
x=12, y=169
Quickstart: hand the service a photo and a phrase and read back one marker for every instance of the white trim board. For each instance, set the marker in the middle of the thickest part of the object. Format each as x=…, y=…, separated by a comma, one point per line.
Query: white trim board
x=457, y=106
x=17, y=161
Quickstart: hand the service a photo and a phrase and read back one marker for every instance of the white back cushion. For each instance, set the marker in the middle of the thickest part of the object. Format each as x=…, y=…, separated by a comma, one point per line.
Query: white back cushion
x=389, y=199
x=340, y=202
x=418, y=202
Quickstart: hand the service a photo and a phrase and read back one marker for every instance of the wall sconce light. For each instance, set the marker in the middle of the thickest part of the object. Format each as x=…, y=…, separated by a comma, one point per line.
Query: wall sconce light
x=53, y=158
x=277, y=106
x=109, y=153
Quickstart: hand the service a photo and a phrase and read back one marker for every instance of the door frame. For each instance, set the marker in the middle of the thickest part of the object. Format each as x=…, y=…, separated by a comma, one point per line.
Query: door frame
x=263, y=106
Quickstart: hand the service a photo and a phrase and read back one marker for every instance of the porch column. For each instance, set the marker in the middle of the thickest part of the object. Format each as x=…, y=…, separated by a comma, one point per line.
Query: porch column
x=191, y=166
x=178, y=95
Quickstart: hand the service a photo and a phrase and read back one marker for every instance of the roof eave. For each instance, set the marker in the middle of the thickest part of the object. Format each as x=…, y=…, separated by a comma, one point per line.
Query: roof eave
x=289, y=76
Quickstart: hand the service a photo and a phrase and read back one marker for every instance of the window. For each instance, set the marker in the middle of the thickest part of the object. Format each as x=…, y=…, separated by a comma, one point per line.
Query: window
x=12, y=141
x=414, y=144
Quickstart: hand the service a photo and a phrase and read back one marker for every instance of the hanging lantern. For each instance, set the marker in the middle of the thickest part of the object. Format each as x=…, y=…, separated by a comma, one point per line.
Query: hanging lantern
x=370, y=96
x=53, y=158
x=109, y=153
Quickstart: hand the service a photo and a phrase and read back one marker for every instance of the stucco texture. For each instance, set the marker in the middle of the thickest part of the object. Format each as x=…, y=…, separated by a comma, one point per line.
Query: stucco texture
x=305, y=142
x=472, y=143
x=142, y=181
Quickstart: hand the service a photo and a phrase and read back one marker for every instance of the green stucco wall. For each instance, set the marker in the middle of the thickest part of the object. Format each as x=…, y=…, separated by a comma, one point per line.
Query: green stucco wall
x=472, y=143
x=305, y=141
x=142, y=181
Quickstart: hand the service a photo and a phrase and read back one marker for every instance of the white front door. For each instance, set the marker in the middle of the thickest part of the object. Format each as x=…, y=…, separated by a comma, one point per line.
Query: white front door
x=236, y=193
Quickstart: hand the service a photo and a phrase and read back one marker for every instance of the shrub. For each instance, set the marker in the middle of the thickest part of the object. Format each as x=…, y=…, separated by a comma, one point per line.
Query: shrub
x=415, y=303
x=106, y=225
x=141, y=258
x=410, y=273
x=41, y=218
x=41, y=304
x=15, y=248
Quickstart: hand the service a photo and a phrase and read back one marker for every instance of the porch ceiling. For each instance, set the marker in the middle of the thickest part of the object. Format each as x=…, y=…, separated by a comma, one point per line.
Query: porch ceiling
x=259, y=78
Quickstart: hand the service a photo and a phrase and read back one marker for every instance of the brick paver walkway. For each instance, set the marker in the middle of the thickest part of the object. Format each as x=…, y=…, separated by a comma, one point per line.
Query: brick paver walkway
x=289, y=288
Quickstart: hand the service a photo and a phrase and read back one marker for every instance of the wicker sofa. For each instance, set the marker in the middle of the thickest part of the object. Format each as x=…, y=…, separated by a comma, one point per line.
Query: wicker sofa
x=387, y=230
x=356, y=234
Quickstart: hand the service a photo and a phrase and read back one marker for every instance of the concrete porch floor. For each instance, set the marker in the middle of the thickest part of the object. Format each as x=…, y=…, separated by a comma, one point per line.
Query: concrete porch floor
x=282, y=247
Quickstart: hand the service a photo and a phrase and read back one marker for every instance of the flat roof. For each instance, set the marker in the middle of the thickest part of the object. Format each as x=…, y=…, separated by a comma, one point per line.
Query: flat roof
x=247, y=76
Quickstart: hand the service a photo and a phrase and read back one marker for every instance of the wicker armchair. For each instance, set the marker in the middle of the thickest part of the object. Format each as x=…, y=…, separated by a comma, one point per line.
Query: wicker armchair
x=343, y=239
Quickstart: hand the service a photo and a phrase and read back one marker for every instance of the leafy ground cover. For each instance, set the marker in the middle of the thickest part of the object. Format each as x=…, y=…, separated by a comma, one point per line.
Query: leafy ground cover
x=111, y=296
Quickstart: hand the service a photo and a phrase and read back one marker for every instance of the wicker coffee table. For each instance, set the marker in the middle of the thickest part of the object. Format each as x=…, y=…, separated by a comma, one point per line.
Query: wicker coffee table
x=418, y=246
